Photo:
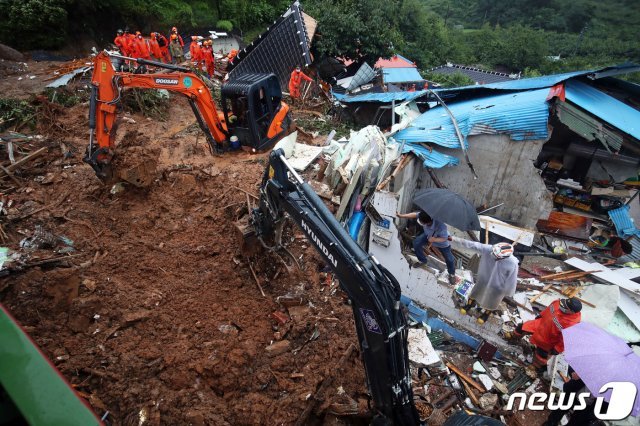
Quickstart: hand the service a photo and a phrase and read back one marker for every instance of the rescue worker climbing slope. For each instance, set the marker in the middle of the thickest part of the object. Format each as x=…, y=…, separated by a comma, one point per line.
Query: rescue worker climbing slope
x=295, y=81
x=140, y=48
x=546, y=329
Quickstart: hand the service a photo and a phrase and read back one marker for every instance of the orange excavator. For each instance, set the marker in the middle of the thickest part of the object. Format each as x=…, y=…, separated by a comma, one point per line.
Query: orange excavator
x=252, y=107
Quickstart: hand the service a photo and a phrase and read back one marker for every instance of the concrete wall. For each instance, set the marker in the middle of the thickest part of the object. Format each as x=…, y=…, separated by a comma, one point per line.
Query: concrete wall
x=505, y=175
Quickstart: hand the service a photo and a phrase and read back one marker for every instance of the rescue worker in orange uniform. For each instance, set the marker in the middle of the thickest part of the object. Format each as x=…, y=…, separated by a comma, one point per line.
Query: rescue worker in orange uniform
x=232, y=54
x=196, y=51
x=140, y=47
x=174, y=30
x=546, y=329
x=130, y=39
x=295, y=81
x=164, y=47
x=207, y=57
x=122, y=43
x=412, y=88
x=154, y=48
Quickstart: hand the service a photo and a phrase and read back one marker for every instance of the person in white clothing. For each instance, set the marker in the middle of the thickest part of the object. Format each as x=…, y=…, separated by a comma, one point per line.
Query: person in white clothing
x=496, y=278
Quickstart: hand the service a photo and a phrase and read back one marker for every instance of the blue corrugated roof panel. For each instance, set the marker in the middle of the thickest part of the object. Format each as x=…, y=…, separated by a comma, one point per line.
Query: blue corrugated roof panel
x=385, y=97
x=523, y=116
x=547, y=80
x=623, y=222
x=606, y=107
x=400, y=75
x=433, y=158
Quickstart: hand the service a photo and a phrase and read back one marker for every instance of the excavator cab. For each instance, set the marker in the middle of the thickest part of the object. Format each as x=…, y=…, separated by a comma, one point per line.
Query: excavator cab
x=254, y=111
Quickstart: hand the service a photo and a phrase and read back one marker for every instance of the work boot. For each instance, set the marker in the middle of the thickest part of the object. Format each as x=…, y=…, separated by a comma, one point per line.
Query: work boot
x=483, y=318
x=452, y=279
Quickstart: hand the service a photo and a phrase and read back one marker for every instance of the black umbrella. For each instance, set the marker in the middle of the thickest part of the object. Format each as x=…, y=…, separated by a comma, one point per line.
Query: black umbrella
x=448, y=207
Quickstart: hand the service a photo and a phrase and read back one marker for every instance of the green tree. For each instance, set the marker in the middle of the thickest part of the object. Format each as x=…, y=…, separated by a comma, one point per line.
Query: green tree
x=31, y=24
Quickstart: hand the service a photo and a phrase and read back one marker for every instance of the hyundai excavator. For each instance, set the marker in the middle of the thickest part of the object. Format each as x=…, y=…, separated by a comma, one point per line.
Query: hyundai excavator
x=374, y=293
x=252, y=107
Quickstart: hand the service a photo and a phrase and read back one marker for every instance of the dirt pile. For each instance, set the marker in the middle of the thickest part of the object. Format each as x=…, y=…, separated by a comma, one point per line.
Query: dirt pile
x=157, y=315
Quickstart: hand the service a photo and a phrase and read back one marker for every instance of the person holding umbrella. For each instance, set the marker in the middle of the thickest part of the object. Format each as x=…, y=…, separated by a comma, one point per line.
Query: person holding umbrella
x=435, y=234
x=496, y=278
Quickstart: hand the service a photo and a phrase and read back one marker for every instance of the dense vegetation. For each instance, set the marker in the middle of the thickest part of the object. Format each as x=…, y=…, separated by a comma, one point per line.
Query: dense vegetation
x=515, y=36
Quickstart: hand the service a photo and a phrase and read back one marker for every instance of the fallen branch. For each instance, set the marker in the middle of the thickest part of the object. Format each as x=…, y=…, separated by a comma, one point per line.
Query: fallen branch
x=246, y=192
x=255, y=277
x=20, y=162
x=466, y=378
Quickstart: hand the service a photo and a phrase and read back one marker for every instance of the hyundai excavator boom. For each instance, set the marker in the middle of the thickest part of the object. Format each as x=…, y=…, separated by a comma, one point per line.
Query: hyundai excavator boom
x=252, y=107
x=374, y=293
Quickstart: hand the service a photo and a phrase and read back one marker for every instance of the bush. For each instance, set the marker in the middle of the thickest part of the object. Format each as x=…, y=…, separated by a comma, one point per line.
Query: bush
x=223, y=25
x=16, y=113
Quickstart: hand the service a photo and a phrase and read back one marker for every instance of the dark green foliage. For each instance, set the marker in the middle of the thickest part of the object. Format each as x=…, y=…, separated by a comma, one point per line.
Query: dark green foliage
x=151, y=103
x=16, y=113
x=33, y=24
x=224, y=26
x=65, y=97
x=450, y=80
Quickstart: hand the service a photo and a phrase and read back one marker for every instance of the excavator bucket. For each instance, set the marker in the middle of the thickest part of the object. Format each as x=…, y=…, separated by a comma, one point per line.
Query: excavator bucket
x=141, y=175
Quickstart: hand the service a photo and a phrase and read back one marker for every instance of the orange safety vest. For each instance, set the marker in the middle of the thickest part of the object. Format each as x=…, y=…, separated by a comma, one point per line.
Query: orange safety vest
x=547, y=330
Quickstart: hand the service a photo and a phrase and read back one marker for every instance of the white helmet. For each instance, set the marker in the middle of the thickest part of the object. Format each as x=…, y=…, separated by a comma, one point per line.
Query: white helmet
x=502, y=250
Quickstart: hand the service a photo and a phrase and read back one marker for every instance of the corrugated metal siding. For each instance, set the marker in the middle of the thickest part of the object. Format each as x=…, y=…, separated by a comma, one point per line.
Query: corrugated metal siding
x=386, y=97
x=401, y=75
x=364, y=75
x=433, y=158
x=623, y=222
x=523, y=116
x=605, y=107
x=587, y=126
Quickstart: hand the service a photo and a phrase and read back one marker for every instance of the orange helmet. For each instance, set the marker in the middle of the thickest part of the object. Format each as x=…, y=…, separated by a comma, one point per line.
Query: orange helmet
x=152, y=35
x=138, y=33
x=174, y=30
x=174, y=37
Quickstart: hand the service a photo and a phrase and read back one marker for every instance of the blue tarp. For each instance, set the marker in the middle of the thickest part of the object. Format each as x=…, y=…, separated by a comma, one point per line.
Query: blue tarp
x=401, y=75
x=603, y=106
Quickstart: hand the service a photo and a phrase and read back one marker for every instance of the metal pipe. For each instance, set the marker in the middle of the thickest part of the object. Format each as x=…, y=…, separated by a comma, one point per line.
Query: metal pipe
x=291, y=169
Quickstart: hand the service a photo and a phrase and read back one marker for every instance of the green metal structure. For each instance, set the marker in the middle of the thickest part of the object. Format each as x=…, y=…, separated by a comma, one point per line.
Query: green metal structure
x=33, y=391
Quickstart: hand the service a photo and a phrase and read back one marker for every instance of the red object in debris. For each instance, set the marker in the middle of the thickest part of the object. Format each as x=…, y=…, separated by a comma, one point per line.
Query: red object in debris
x=556, y=91
x=396, y=61
x=282, y=318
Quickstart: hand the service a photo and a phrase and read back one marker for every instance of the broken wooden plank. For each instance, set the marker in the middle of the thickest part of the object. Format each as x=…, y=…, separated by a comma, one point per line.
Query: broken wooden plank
x=466, y=378
x=521, y=235
x=566, y=224
x=544, y=290
x=607, y=275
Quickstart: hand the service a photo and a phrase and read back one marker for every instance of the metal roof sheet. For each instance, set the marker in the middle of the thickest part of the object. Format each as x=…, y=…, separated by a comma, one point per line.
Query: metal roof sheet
x=605, y=107
x=477, y=75
x=523, y=116
x=549, y=80
x=400, y=75
x=396, y=61
x=385, y=97
x=433, y=158
x=623, y=222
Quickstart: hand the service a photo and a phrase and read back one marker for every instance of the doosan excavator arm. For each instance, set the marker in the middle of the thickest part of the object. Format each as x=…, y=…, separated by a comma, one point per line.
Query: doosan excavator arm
x=374, y=293
x=253, y=103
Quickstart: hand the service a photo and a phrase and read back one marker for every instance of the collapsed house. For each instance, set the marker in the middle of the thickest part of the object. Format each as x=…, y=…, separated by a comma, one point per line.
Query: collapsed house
x=550, y=155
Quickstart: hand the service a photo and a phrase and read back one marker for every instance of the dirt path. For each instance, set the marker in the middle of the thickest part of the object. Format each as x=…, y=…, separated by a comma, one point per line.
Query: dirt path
x=159, y=317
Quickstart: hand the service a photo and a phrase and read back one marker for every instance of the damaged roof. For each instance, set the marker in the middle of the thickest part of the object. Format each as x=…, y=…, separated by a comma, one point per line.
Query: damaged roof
x=550, y=80
x=605, y=107
x=401, y=75
x=396, y=61
x=476, y=74
x=522, y=116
